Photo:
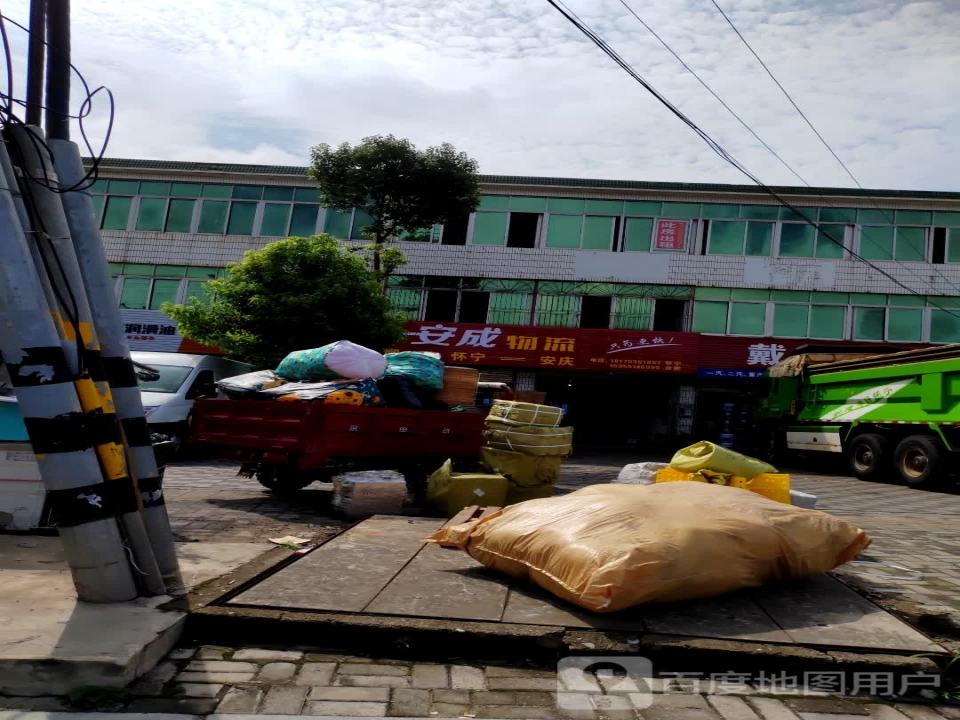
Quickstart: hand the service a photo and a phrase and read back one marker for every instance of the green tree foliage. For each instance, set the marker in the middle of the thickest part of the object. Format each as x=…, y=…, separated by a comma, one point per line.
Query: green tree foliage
x=403, y=189
x=292, y=294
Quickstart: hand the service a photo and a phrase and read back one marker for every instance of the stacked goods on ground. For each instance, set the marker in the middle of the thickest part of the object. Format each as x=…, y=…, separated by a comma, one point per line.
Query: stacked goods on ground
x=350, y=374
x=522, y=455
x=710, y=463
x=609, y=547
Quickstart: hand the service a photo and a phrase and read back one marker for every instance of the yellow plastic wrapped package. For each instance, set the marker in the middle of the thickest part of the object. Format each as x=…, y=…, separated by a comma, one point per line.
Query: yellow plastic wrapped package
x=706, y=455
x=609, y=547
x=450, y=492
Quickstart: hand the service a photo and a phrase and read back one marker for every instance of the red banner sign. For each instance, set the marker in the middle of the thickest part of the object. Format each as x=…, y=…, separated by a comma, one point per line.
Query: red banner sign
x=670, y=235
x=556, y=348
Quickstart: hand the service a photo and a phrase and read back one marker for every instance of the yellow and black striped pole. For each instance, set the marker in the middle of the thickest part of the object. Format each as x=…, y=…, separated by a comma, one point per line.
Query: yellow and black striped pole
x=63, y=435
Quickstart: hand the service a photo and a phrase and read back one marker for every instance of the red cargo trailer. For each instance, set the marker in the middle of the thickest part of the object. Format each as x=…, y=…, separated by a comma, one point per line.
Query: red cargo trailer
x=289, y=444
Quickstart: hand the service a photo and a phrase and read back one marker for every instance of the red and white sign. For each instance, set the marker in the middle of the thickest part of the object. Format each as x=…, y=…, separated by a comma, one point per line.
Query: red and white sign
x=670, y=235
x=555, y=348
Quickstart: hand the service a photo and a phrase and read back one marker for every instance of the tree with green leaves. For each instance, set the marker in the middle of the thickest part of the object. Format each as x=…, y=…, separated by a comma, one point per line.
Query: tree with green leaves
x=404, y=190
x=290, y=295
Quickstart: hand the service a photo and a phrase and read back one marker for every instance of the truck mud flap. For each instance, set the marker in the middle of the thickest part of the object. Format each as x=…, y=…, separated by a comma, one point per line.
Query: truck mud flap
x=820, y=438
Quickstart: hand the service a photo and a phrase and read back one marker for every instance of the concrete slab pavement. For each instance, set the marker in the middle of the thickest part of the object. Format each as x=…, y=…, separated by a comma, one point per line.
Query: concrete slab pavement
x=50, y=643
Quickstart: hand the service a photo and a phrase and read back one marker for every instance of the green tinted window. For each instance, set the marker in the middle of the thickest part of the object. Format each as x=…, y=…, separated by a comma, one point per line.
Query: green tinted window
x=680, y=211
x=490, y=228
x=563, y=231
x=213, y=216
x=164, y=291
x=406, y=301
x=522, y=203
x=721, y=211
x=303, y=222
x=759, y=212
x=217, y=191
x=790, y=320
x=636, y=236
x=100, y=186
x=494, y=202
x=711, y=293
x=201, y=272
x=98, y=201
x=597, y=233
x=155, y=188
x=117, y=214
x=749, y=294
x=827, y=322
x=867, y=299
x=643, y=209
x=170, y=271
x=831, y=297
x=747, y=318
x=790, y=295
x=830, y=242
x=876, y=243
x=796, y=240
x=187, y=190
x=876, y=217
x=603, y=207
x=709, y=317
x=953, y=245
x=361, y=221
x=914, y=217
x=133, y=295
x=241, y=218
x=944, y=326
x=726, y=238
x=759, y=239
x=115, y=268
x=572, y=206
x=247, y=192
x=868, y=323
x=137, y=269
x=911, y=244
x=906, y=300
x=800, y=214
x=124, y=187
x=509, y=308
x=198, y=289
x=950, y=219
x=278, y=193
x=633, y=313
x=337, y=223
x=904, y=324
x=275, y=220
x=150, y=216
x=179, y=215
x=838, y=215
x=306, y=195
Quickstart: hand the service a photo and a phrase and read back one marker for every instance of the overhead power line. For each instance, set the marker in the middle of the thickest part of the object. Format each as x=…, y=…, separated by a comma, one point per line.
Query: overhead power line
x=717, y=148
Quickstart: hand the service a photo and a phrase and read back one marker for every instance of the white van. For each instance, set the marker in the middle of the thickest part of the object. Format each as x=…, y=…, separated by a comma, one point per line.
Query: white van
x=168, y=400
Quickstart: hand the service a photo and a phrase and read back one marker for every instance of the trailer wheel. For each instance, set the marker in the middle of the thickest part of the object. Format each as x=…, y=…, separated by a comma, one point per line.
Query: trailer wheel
x=919, y=461
x=281, y=479
x=867, y=456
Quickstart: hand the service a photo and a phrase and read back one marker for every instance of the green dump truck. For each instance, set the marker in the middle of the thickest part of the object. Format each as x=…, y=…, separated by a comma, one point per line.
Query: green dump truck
x=895, y=415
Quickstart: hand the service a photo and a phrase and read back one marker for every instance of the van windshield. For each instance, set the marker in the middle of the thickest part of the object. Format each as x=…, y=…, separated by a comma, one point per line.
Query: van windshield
x=170, y=380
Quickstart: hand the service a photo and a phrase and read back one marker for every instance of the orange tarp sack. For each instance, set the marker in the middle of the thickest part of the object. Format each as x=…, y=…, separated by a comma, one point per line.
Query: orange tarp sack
x=609, y=547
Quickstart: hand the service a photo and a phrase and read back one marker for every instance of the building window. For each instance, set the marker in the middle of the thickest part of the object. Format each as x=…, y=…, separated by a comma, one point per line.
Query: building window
x=303, y=222
x=599, y=232
x=134, y=293
x=441, y=305
x=747, y=318
x=563, y=231
x=637, y=234
x=710, y=317
x=558, y=310
x=455, y=230
x=117, y=214
x=241, y=218
x=911, y=244
x=944, y=326
x=595, y=311
x=180, y=216
x=796, y=240
x=276, y=219
x=151, y=213
x=790, y=320
x=633, y=313
x=831, y=242
x=213, y=216
x=510, y=308
x=669, y=314
x=905, y=324
x=523, y=229
x=759, y=239
x=726, y=237
x=489, y=228
x=163, y=291
x=868, y=323
x=828, y=322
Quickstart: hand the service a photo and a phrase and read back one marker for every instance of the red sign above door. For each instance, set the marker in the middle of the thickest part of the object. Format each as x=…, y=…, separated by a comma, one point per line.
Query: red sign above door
x=556, y=348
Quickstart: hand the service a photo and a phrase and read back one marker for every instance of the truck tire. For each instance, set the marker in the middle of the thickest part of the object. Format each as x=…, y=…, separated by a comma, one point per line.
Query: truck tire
x=867, y=456
x=281, y=479
x=919, y=461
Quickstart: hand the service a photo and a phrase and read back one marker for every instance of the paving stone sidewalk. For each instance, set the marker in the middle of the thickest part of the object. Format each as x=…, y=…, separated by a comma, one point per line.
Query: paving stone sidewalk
x=293, y=682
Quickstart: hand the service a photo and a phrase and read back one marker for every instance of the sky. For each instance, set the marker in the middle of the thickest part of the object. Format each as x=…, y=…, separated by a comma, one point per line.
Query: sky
x=514, y=85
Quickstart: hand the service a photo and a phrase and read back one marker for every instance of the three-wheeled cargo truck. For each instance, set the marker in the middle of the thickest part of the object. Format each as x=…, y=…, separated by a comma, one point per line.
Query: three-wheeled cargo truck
x=891, y=415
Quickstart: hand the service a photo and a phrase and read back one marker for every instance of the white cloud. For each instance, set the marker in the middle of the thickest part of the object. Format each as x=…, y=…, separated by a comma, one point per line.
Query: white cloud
x=514, y=85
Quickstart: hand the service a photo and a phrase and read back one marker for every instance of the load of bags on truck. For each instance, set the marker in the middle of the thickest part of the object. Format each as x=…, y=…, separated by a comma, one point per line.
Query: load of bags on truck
x=609, y=547
x=522, y=454
x=350, y=374
x=714, y=464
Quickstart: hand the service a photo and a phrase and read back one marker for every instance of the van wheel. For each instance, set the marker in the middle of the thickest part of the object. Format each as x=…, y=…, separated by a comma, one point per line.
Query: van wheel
x=867, y=456
x=282, y=479
x=919, y=461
